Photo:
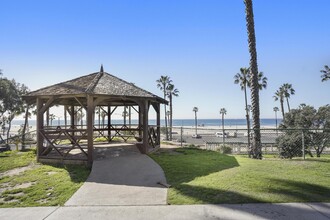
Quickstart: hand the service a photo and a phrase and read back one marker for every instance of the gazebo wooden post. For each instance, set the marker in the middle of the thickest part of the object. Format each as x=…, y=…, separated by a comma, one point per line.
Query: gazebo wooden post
x=109, y=123
x=47, y=117
x=145, y=127
x=40, y=127
x=141, y=112
x=158, y=122
x=90, y=118
x=65, y=115
x=72, y=115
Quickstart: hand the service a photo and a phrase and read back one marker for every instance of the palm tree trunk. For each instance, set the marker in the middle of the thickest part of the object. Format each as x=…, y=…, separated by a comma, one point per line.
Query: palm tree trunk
x=24, y=127
x=171, y=114
x=196, y=123
x=247, y=118
x=223, y=130
x=287, y=101
x=282, y=107
x=256, y=146
x=166, y=132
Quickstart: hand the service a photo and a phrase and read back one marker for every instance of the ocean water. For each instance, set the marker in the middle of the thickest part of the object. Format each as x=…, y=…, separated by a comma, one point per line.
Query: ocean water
x=176, y=122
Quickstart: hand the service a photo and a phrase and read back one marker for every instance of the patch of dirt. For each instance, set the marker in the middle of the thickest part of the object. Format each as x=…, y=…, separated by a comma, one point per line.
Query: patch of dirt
x=3, y=200
x=6, y=186
x=23, y=185
x=43, y=201
x=19, y=194
x=18, y=170
x=51, y=173
x=50, y=189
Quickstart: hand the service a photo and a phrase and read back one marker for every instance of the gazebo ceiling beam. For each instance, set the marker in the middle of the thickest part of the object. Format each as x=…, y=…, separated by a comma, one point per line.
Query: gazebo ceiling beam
x=80, y=103
x=135, y=109
x=47, y=104
x=99, y=100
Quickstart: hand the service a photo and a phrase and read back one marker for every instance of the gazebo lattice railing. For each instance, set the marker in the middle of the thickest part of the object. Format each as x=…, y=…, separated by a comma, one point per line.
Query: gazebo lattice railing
x=70, y=143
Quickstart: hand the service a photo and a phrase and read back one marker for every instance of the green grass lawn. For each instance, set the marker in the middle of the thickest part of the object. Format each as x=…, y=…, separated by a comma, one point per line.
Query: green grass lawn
x=200, y=176
x=41, y=185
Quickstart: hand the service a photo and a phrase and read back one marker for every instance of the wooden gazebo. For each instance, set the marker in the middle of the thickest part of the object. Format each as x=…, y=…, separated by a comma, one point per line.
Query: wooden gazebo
x=73, y=142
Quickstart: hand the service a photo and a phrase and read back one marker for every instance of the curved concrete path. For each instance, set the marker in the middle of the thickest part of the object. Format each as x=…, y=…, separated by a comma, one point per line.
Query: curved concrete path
x=121, y=175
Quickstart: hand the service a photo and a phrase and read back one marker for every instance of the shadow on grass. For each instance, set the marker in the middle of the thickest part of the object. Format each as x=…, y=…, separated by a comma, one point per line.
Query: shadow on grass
x=301, y=191
x=290, y=191
x=77, y=173
x=189, y=163
x=201, y=194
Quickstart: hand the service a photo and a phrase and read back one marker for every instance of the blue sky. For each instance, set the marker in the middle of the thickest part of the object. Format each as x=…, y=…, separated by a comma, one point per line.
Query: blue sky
x=200, y=44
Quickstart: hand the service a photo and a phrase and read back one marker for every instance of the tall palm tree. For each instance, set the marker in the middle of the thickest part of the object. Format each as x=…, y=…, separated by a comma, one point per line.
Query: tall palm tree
x=243, y=79
x=326, y=73
x=287, y=91
x=223, y=111
x=256, y=146
x=171, y=91
x=279, y=95
x=195, y=109
x=275, y=109
x=162, y=84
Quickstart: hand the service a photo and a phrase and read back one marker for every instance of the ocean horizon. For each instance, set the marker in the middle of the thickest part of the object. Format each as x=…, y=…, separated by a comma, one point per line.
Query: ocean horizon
x=176, y=122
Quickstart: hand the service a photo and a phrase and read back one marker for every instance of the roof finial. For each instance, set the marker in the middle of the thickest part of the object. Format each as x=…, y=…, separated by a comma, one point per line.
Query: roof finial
x=101, y=70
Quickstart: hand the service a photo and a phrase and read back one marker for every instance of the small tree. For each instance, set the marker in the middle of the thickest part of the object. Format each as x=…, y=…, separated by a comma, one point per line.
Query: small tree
x=11, y=103
x=308, y=123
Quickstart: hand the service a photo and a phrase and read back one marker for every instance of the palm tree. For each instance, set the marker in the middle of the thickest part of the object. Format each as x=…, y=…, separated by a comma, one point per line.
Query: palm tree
x=195, y=109
x=279, y=95
x=162, y=84
x=243, y=79
x=326, y=73
x=223, y=111
x=103, y=115
x=51, y=118
x=287, y=91
x=275, y=109
x=171, y=91
x=256, y=148
x=262, y=81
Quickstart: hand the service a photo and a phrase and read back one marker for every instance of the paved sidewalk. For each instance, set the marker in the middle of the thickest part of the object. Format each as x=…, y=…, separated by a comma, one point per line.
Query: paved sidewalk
x=121, y=175
x=301, y=211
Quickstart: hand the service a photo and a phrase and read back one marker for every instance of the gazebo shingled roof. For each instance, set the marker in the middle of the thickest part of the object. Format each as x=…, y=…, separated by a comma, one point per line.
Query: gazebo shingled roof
x=99, y=83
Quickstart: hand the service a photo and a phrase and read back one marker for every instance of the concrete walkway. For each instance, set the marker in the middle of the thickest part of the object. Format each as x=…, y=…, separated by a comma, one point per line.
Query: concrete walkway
x=301, y=211
x=121, y=175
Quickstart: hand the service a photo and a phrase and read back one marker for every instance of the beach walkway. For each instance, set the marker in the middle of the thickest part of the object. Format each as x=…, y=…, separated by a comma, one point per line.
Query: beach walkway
x=121, y=175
